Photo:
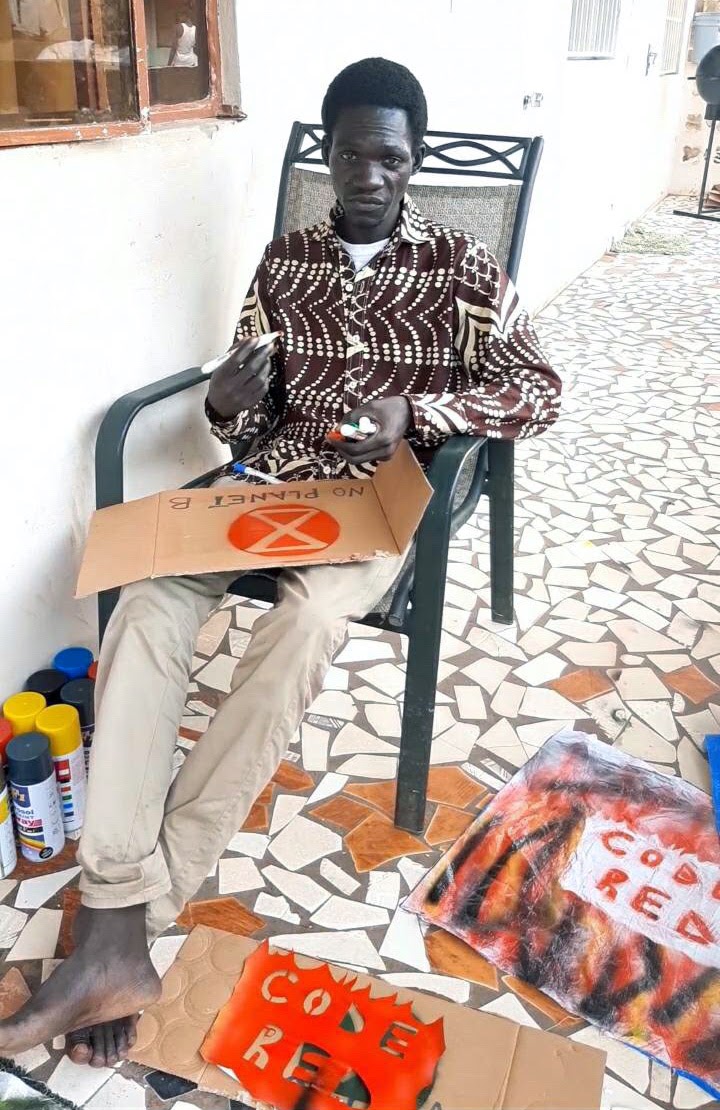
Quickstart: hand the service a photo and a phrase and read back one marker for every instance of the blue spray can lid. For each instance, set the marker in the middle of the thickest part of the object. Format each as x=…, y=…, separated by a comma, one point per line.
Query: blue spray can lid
x=73, y=661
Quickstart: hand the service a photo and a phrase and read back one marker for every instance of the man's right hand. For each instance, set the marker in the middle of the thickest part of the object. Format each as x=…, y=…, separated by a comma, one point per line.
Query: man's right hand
x=241, y=381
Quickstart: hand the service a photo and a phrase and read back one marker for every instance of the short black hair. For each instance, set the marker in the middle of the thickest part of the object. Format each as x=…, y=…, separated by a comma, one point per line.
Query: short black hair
x=376, y=82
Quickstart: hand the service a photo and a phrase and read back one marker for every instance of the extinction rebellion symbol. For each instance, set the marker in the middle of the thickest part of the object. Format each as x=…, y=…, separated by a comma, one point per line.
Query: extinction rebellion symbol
x=284, y=530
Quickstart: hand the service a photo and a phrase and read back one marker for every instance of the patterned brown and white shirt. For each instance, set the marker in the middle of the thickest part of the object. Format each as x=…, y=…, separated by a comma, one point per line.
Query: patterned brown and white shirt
x=432, y=317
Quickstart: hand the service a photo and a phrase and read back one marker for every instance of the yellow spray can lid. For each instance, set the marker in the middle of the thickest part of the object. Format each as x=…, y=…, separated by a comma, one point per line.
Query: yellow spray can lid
x=21, y=710
x=61, y=725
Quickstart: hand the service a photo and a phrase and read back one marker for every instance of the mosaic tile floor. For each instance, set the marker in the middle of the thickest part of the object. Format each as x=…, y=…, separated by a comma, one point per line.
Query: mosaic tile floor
x=617, y=633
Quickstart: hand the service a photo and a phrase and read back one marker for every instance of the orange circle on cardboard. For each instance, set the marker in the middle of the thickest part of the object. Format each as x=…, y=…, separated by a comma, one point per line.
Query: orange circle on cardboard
x=284, y=530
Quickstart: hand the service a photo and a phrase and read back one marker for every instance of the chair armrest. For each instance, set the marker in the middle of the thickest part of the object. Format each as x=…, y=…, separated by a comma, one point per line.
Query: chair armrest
x=439, y=521
x=110, y=442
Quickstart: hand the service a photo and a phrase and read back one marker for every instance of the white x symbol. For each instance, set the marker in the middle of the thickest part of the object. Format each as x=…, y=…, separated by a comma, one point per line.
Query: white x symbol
x=293, y=529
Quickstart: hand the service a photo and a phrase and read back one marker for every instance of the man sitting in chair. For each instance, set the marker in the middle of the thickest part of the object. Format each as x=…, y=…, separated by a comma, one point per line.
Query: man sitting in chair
x=385, y=315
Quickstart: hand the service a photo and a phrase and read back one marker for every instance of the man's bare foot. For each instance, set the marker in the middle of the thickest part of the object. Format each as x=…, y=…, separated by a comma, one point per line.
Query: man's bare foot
x=107, y=977
x=102, y=1045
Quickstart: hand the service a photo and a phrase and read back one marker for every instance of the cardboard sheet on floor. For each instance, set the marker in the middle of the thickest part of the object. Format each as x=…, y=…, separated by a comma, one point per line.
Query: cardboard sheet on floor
x=250, y=527
x=488, y=1061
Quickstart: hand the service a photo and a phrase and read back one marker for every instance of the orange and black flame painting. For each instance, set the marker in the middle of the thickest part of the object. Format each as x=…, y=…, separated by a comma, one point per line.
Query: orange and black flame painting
x=597, y=880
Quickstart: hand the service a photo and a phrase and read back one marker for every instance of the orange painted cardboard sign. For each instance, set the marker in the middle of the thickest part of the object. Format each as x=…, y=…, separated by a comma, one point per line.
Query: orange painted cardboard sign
x=242, y=527
x=296, y=1036
x=489, y=1063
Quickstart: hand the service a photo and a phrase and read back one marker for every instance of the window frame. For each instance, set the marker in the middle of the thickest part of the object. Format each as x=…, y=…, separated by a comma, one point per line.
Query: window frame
x=594, y=8
x=675, y=17
x=148, y=115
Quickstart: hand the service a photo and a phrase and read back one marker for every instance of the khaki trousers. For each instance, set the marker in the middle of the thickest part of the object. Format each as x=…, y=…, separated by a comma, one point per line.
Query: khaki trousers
x=145, y=840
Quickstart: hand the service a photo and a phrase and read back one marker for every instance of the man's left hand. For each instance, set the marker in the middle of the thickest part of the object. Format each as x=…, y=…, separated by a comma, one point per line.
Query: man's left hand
x=392, y=416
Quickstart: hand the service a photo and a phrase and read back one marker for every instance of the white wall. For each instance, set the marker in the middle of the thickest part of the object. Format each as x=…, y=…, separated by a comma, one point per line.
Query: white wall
x=126, y=260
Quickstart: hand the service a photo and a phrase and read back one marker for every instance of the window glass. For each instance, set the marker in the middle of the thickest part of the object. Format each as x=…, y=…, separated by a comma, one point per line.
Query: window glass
x=65, y=62
x=177, y=50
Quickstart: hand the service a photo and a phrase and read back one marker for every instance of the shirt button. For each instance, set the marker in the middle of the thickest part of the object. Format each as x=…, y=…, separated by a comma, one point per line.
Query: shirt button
x=349, y=287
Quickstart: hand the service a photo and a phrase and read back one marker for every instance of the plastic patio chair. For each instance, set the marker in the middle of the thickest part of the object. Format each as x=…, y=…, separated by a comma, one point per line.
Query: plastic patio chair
x=494, y=177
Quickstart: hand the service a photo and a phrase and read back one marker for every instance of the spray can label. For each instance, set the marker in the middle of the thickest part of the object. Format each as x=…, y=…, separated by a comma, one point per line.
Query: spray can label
x=87, y=738
x=37, y=815
x=71, y=775
x=8, y=852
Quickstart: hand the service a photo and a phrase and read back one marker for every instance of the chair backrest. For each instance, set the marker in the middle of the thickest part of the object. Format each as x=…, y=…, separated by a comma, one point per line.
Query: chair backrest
x=495, y=211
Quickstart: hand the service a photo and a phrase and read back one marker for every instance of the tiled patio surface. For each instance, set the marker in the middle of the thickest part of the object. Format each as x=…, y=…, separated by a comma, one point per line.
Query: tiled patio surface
x=617, y=633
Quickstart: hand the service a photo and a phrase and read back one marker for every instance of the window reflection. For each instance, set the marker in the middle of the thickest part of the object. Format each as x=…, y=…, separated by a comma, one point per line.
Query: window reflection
x=177, y=50
x=65, y=61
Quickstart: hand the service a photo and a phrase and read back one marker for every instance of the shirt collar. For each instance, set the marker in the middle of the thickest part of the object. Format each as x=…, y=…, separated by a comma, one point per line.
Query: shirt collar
x=412, y=227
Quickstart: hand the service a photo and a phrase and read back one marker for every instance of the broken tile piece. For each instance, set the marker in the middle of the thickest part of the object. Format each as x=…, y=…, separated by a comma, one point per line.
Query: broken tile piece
x=286, y=807
x=342, y=811
x=457, y=990
x=300, y=889
x=447, y=825
x=289, y=777
x=329, y=784
x=639, y=684
x=352, y=946
x=692, y=684
x=376, y=841
x=383, y=889
x=369, y=766
x=453, y=956
x=535, y=998
x=411, y=871
x=77, y=1082
x=352, y=740
x=693, y=765
x=452, y=786
x=302, y=842
x=34, y=893
x=346, y=913
x=12, y=922
x=14, y=993
x=639, y=740
x=221, y=913
x=38, y=939
x=380, y=794
x=212, y=633
x=249, y=844
x=404, y=941
x=270, y=905
x=338, y=878
x=237, y=874
x=582, y=685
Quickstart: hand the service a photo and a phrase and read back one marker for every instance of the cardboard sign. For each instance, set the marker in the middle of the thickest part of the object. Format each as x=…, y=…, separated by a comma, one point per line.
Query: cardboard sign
x=289, y=1031
x=248, y=527
x=488, y=1061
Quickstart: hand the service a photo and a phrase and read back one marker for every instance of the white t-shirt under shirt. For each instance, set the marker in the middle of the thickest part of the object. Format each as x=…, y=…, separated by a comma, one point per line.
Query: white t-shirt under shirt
x=361, y=253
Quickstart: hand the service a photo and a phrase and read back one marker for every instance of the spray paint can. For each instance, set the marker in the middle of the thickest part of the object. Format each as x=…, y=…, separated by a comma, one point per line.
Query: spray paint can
x=8, y=851
x=48, y=682
x=61, y=725
x=80, y=693
x=34, y=794
x=73, y=662
x=21, y=711
x=6, y=735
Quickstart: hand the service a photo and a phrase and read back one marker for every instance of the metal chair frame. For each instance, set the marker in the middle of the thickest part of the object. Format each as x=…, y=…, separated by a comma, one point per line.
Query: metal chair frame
x=417, y=605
